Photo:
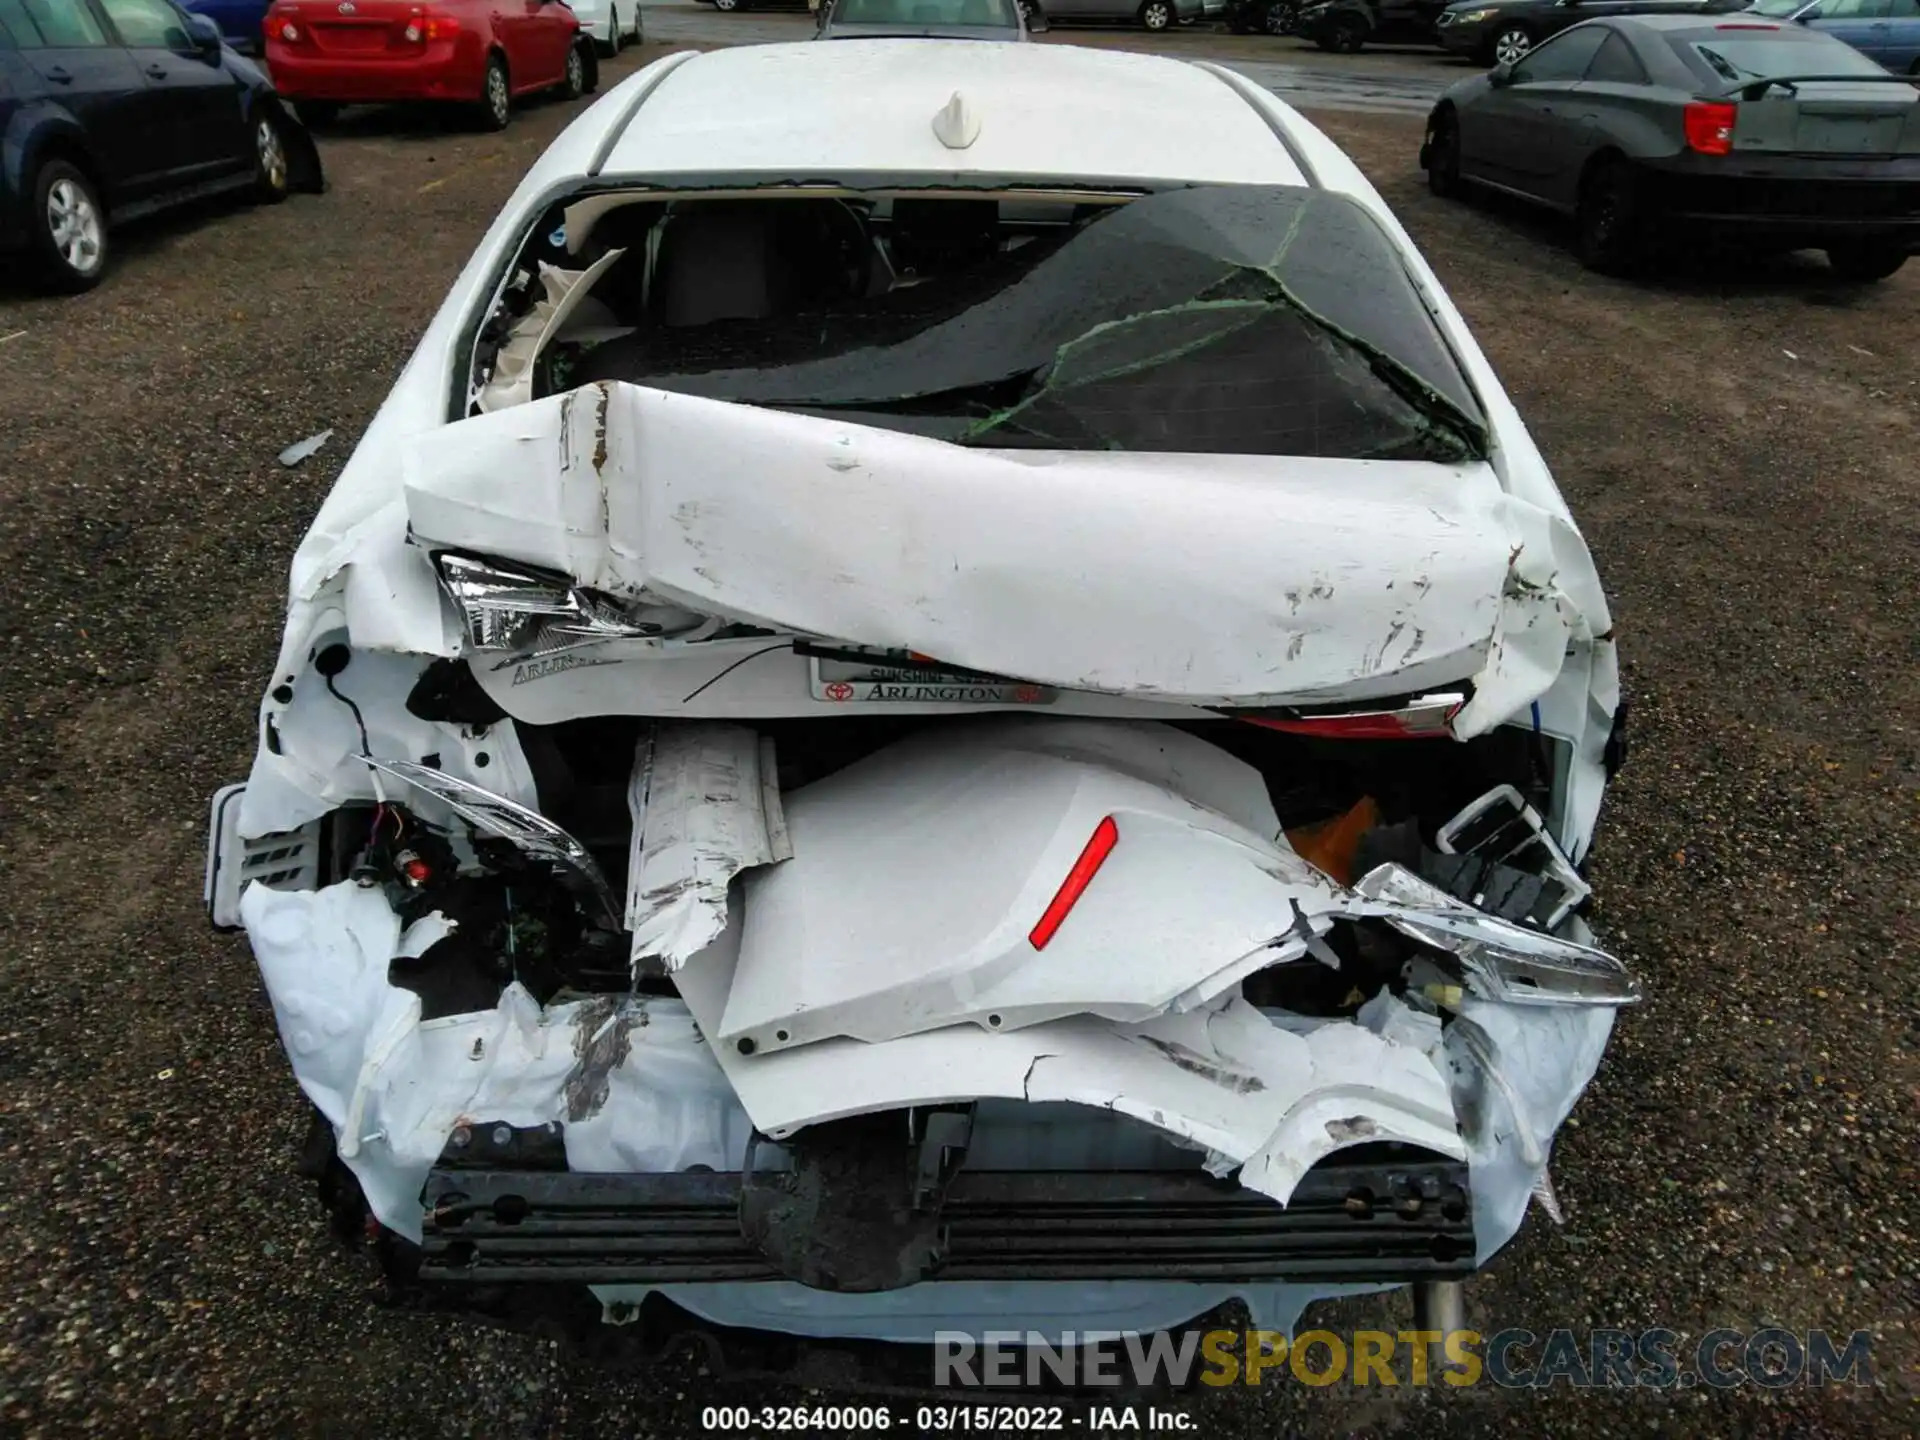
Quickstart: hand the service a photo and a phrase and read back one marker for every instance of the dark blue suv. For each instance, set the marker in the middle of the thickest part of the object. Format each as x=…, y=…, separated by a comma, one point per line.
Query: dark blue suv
x=111, y=109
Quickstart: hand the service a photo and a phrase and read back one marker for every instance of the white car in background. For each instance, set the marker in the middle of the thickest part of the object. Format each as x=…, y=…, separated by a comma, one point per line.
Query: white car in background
x=938, y=639
x=612, y=23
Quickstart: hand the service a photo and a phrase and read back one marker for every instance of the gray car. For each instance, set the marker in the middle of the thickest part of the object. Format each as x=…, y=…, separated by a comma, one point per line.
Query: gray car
x=1152, y=14
x=934, y=19
x=1771, y=135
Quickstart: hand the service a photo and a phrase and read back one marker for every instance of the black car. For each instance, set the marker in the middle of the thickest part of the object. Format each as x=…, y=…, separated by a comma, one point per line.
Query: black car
x=1491, y=31
x=1344, y=26
x=1773, y=136
x=112, y=109
x=1254, y=17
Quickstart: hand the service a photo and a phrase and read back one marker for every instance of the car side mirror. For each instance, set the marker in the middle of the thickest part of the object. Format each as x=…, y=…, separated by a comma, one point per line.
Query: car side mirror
x=1501, y=75
x=204, y=34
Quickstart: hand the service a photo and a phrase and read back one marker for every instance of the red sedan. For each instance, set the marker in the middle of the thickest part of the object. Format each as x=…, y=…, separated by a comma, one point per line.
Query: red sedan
x=323, y=54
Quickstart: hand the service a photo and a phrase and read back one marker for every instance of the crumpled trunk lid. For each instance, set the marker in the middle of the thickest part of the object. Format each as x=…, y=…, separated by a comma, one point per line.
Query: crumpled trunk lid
x=1235, y=580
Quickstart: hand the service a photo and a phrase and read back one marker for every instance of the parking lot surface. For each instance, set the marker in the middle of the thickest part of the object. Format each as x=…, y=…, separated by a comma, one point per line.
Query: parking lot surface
x=1737, y=445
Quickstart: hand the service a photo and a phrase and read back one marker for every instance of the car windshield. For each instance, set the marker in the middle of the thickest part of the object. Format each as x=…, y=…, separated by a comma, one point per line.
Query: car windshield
x=1737, y=58
x=982, y=13
x=1264, y=320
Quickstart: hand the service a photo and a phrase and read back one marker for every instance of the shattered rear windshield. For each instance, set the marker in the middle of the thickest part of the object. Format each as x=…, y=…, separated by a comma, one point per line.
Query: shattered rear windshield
x=1261, y=320
x=1766, y=57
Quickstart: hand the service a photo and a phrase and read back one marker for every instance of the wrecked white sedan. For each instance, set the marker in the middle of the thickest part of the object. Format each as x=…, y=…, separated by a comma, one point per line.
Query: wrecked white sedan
x=947, y=696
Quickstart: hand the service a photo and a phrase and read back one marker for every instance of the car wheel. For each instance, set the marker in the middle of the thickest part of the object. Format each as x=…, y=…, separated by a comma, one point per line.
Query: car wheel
x=272, y=176
x=612, y=46
x=1346, y=34
x=1863, y=262
x=575, y=83
x=1443, y=156
x=1156, y=14
x=726, y=4
x=1030, y=13
x=69, y=227
x=1278, y=19
x=1607, y=221
x=316, y=114
x=496, y=96
x=1511, y=45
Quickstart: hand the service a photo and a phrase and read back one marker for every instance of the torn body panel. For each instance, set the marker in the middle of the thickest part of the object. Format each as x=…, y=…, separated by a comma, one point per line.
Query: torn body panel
x=636, y=1088
x=919, y=875
x=705, y=804
x=316, y=729
x=1228, y=1080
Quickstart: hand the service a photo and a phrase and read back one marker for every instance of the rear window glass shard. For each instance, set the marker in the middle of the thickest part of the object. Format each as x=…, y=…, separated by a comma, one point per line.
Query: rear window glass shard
x=1265, y=320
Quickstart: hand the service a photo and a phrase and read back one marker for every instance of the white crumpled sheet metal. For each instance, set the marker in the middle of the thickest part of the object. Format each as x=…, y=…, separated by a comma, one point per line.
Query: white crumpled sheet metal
x=919, y=872
x=633, y=1082
x=705, y=804
x=638, y=1089
x=1225, y=1078
x=1225, y=578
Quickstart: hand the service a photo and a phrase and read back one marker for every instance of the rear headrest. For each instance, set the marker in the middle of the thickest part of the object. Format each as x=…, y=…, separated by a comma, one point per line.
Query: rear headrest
x=715, y=262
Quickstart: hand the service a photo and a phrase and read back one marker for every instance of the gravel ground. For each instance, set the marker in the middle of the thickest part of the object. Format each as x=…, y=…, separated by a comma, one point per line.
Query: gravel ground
x=1736, y=449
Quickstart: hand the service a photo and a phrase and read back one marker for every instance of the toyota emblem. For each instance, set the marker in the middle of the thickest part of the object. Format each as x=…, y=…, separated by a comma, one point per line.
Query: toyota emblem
x=346, y=7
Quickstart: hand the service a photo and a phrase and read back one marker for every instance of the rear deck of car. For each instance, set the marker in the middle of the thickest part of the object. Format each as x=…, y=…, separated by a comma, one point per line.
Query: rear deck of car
x=868, y=107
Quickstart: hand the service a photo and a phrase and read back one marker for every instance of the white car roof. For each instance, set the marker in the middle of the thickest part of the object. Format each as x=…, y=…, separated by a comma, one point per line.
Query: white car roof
x=816, y=109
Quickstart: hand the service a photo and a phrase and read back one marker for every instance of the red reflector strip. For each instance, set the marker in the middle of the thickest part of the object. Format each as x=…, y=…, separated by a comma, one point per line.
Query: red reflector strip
x=1746, y=27
x=1354, y=727
x=1425, y=717
x=1105, y=836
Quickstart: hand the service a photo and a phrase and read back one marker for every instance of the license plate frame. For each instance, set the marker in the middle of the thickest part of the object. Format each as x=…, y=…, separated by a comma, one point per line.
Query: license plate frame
x=855, y=677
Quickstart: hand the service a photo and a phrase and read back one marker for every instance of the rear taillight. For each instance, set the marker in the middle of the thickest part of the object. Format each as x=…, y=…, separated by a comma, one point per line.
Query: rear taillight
x=442, y=27
x=1105, y=836
x=1710, y=127
x=414, y=33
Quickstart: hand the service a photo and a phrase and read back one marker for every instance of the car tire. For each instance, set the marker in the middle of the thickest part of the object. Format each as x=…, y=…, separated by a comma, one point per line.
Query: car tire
x=317, y=114
x=1157, y=15
x=272, y=170
x=494, y=108
x=1510, y=45
x=1443, y=156
x=726, y=6
x=614, y=39
x=1278, y=18
x=1866, y=261
x=69, y=227
x=575, y=85
x=1346, y=34
x=1608, y=230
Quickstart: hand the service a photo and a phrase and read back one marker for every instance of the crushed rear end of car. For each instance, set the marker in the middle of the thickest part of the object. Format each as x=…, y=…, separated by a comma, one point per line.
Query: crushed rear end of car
x=925, y=760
